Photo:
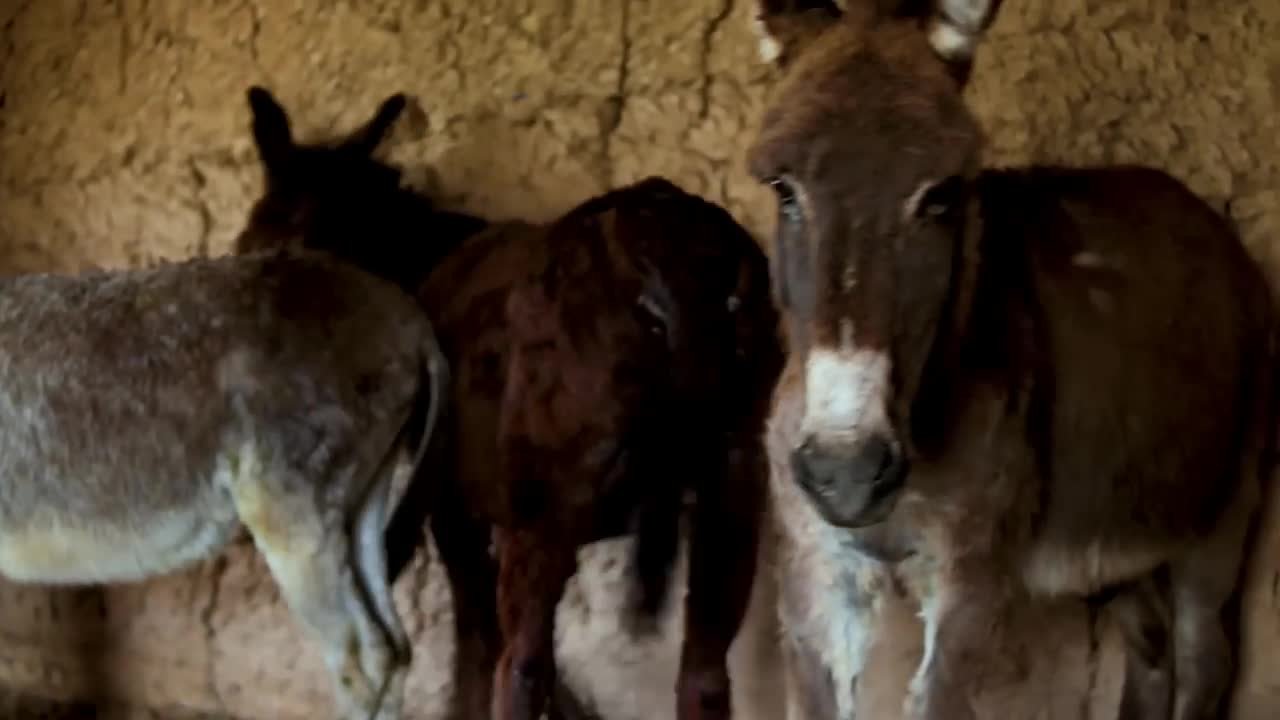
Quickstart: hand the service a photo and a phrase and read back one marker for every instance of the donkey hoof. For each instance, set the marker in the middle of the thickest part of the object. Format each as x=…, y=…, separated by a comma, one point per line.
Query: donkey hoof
x=520, y=695
x=706, y=697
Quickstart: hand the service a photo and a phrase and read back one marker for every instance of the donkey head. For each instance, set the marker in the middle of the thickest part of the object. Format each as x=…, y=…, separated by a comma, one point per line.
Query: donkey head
x=336, y=196
x=870, y=149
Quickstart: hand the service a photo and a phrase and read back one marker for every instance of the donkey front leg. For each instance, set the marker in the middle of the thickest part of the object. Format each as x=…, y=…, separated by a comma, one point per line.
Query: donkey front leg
x=824, y=660
x=828, y=607
x=1141, y=612
x=964, y=644
x=808, y=682
x=533, y=570
x=1203, y=588
x=722, y=569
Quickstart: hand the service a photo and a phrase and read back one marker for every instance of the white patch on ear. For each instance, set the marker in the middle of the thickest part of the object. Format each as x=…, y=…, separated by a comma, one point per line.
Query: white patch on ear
x=950, y=42
x=767, y=46
x=971, y=14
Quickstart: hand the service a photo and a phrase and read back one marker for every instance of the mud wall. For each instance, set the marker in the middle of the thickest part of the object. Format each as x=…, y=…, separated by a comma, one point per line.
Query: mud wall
x=124, y=138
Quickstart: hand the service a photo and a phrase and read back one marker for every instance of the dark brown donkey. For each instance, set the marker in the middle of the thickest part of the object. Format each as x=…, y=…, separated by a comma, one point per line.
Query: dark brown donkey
x=1047, y=381
x=604, y=365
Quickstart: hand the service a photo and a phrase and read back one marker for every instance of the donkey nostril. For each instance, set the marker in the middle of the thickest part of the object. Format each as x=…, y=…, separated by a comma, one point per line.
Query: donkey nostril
x=880, y=463
x=805, y=466
x=872, y=461
x=875, y=456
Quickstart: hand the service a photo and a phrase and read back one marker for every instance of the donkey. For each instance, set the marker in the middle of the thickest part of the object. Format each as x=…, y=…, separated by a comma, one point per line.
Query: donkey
x=312, y=190
x=605, y=365
x=149, y=414
x=1020, y=383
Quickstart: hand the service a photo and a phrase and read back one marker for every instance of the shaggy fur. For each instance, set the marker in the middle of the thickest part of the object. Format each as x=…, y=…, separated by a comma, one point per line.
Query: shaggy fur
x=1029, y=382
x=607, y=366
x=150, y=413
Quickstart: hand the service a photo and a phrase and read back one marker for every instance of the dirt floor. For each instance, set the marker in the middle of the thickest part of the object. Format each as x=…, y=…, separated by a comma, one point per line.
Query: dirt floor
x=22, y=706
x=124, y=138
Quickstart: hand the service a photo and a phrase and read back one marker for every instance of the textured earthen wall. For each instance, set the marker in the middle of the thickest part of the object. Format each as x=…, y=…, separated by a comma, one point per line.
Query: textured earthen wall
x=123, y=138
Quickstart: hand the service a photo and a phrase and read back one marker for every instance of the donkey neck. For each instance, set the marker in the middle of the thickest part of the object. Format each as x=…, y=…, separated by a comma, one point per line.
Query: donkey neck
x=994, y=332
x=411, y=237
x=990, y=345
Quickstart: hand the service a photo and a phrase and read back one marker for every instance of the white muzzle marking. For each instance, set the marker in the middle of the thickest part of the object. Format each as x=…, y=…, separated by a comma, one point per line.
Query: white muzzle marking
x=846, y=395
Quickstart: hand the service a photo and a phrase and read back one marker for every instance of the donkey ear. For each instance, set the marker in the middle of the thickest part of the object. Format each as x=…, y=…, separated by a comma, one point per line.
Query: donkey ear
x=784, y=26
x=368, y=138
x=271, y=131
x=956, y=28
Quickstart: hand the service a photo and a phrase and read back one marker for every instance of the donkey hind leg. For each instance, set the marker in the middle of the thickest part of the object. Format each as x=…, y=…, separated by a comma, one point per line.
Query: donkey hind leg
x=1202, y=584
x=566, y=705
x=722, y=566
x=370, y=556
x=1141, y=612
x=311, y=555
x=463, y=544
x=533, y=571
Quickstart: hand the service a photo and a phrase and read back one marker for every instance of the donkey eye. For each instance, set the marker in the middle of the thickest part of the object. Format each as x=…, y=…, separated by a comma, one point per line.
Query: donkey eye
x=942, y=199
x=783, y=188
x=652, y=316
x=788, y=200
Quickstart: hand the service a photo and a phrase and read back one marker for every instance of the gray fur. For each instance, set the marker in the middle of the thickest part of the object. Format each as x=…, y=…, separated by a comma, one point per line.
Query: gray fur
x=148, y=414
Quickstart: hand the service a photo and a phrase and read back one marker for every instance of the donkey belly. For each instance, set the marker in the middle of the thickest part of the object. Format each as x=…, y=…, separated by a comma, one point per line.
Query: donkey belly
x=67, y=550
x=1055, y=567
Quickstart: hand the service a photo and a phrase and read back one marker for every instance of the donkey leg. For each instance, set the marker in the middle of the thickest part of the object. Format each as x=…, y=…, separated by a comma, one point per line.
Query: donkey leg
x=566, y=705
x=722, y=567
x=656, y=549
x=463, y=544
x=1204, y=660
x=808, y=682
x=1202, y=584
x=1142, y=615
x=925, y=695
x=964, y=643
x=309, y=555
x=370, y=558
x=533, y=570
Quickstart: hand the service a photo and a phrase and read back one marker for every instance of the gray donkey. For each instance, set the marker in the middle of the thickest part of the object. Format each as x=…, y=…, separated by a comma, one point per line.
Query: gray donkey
x=147, y=414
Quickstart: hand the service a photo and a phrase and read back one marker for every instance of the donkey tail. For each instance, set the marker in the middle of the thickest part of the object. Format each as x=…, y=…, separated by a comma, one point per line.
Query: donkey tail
x=653, y=560
x=406, y=531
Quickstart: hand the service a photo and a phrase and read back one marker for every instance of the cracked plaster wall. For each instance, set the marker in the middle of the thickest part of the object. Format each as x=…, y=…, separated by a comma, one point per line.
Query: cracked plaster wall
x=123, y=138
